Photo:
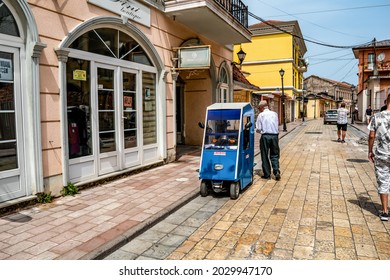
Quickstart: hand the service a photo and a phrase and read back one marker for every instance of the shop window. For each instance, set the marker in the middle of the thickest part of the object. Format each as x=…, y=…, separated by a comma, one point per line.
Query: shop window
x=78, y=108
x=149, y=108
x=8, y=143
x=112, y=43
x=130, y=110
x=8, y=24
x=106, y=107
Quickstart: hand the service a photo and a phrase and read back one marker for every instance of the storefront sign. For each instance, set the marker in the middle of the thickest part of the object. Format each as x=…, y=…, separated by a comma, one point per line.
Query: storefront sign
x=127, y=8
x=194, y=57
x=80, y=75
x=6, y=72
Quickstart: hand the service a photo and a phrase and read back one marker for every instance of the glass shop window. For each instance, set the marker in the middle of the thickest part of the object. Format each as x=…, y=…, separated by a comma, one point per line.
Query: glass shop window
x=8, y=24
x=112, y=43
x=8, y=143
x=78, y=107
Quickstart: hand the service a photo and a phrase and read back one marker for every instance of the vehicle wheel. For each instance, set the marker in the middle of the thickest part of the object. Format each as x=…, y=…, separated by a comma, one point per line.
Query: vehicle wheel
x=234, y=190
x=204, y=189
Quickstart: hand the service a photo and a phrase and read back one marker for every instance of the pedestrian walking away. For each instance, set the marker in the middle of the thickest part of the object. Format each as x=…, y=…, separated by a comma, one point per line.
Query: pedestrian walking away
x=368, y=114
x=379, y=138
x=342, y=122
x=267, y=124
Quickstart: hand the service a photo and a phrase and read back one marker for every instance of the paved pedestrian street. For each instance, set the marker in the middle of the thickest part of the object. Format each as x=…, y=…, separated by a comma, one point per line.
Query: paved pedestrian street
x=325, y=207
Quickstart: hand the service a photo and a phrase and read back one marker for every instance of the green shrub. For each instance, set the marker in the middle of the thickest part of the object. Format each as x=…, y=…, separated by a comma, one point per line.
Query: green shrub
x=44, y=197
x=69, y=189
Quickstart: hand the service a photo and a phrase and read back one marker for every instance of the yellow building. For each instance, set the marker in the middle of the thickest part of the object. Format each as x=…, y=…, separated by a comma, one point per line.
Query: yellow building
x=276, y=45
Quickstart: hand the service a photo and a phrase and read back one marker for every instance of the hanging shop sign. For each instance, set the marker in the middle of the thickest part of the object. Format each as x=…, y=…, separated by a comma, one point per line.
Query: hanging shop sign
x=6, y=72
x=128, y=9
x=194, y=57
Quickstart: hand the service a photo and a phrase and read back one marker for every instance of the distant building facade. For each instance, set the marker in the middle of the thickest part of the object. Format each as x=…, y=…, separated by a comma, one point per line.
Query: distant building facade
x=323, y=94
x=374, y=74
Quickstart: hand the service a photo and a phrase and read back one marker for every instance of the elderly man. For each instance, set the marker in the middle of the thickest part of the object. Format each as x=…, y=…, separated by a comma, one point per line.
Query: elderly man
x=267, y=124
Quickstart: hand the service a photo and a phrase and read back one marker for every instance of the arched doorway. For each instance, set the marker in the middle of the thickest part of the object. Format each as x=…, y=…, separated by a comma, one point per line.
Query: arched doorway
x=20, y=145
x=113, y=96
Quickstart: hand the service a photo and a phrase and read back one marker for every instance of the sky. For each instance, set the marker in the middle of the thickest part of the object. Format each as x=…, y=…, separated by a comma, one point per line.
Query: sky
x=338, y=23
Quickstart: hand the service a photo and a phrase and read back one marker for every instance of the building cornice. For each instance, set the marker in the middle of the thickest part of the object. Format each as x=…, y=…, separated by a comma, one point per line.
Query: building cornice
x=272, y=61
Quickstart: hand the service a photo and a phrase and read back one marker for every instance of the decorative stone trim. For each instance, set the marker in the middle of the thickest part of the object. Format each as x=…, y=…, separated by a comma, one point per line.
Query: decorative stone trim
x=62, y=55
x=38, y=48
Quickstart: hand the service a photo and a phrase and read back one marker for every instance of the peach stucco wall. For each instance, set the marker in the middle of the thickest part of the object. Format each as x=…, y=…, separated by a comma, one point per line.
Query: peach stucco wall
x=55, y=19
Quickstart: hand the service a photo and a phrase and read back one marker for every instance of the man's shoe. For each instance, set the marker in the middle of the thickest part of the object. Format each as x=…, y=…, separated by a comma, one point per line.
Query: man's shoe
x=339, y=140
x=384, y=216
x=277, y=176
x=264, y=177
x=342, y=141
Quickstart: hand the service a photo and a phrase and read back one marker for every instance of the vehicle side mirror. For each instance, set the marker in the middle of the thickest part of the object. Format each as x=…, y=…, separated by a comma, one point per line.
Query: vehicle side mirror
x=248, y=125
x=201, y=125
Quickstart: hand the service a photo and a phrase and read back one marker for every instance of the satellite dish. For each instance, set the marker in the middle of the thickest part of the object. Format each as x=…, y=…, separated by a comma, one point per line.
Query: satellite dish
x=381, y=57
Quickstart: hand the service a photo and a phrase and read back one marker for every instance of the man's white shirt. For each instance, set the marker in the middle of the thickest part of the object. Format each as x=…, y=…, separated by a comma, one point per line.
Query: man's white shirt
x=267, y=122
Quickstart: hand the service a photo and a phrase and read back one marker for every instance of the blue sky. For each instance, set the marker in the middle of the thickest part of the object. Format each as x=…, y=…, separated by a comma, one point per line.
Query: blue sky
x=333, y=22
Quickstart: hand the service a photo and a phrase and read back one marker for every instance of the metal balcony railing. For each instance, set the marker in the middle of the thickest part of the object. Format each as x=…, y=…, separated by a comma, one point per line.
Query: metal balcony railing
x=237, y=9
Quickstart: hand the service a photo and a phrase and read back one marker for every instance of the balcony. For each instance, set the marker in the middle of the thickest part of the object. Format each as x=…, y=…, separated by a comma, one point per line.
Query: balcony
x=222, y=21
x=380, y=67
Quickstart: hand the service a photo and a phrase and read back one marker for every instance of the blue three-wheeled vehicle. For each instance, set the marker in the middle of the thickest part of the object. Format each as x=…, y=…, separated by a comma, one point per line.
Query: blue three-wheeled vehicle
x=227, y=159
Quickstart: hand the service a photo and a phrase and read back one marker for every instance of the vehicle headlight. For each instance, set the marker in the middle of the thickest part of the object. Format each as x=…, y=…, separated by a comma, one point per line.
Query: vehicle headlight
x=218, y=166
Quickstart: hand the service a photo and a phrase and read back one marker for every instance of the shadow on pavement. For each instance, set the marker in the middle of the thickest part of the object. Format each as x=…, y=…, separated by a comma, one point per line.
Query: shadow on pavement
x=367, y=204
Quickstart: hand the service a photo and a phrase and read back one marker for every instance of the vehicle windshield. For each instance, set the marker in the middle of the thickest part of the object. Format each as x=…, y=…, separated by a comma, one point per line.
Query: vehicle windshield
x=331, y=112
x=222, y=129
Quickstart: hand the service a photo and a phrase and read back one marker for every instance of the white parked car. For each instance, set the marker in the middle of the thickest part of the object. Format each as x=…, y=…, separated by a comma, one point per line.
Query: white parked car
x=330, y=116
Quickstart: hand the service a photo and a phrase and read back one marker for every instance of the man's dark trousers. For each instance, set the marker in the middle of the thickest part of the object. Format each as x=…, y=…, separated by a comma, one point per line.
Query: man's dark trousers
x=270, y=152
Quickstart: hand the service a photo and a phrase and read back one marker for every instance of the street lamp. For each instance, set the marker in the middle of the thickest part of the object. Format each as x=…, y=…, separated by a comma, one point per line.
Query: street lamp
x=241, y=55
x=281, y=72
x=353, y=104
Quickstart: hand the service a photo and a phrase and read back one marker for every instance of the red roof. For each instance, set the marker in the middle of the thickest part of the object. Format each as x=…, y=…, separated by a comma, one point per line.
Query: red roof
x=265, y=23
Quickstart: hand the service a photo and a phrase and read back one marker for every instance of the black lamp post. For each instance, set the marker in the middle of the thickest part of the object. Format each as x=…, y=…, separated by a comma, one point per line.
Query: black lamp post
x=353, y=104
x=281, y=72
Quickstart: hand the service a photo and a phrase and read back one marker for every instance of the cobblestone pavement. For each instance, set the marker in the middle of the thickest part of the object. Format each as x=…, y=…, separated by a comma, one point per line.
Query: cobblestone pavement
x=98, y=220
x=324, y=207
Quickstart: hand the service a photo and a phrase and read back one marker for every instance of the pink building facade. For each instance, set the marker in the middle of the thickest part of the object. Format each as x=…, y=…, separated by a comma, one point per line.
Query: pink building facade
x=93, y=89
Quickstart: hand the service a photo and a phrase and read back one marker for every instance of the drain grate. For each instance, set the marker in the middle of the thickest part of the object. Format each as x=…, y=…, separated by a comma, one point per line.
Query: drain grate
x=358, y=160
x=313, y=132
